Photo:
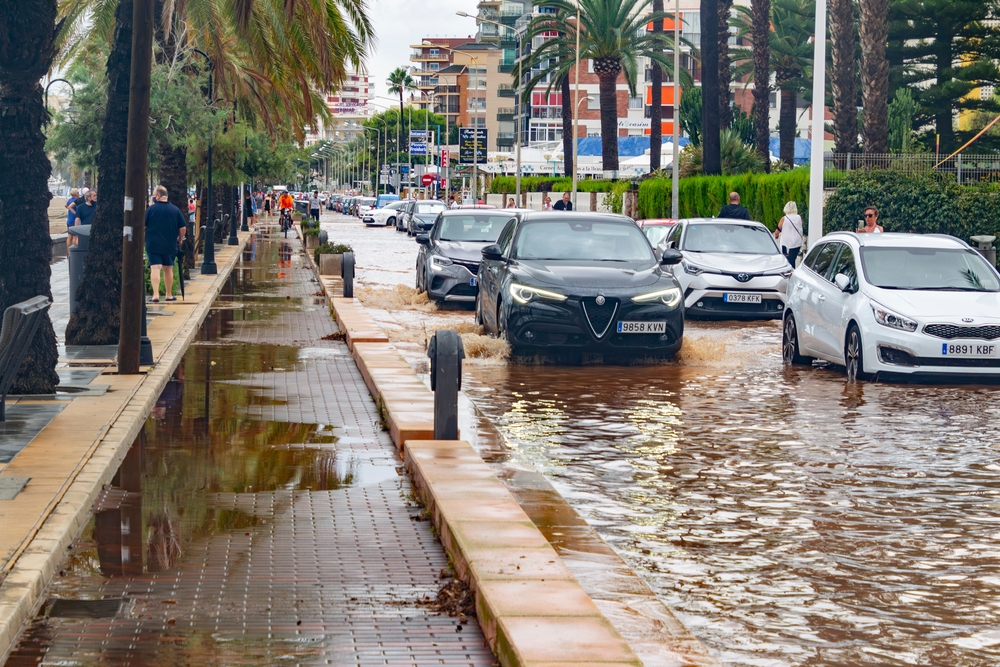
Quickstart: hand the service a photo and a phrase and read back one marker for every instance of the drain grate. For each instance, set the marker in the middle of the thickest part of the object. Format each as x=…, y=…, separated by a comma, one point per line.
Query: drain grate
x=64, y=608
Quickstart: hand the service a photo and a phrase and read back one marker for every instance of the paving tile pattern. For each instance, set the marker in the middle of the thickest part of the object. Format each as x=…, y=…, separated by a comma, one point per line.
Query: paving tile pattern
x=319, y=577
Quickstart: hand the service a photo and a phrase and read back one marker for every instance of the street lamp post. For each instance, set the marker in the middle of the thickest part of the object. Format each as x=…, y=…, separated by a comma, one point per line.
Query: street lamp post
x=208, y=267
x=818, y=130
x=576, y=105
x=675, y=167
x=517, y=96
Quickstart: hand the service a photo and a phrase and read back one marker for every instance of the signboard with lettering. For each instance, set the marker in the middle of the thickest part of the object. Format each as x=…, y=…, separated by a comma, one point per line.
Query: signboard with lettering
x=418, y=148
x=469, y=140
x=418, y=135
x=444, y=159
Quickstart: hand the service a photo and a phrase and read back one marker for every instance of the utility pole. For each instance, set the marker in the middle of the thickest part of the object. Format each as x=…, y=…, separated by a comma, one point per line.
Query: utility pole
x=133, y=282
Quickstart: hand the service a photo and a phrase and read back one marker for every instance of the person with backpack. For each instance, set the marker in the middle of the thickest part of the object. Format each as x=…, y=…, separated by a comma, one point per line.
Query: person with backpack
x=789, y=233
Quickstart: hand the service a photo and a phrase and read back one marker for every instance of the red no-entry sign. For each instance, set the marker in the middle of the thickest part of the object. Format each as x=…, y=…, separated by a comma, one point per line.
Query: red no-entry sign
x=427, y=179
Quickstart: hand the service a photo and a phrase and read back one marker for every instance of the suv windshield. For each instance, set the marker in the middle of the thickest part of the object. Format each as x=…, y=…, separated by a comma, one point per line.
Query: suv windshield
x=943, y=269
x=583, y=240
x=724, y=237
x=428, y=207
x=472, y=227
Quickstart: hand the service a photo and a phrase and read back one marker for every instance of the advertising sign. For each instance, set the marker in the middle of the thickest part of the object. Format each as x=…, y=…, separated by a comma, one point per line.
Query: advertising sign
x=444, y=159
x=418, y=135
x=418, y=148
x=469, y=140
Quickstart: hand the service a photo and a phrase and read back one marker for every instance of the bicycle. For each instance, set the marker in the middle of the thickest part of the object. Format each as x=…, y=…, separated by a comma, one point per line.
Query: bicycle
x=286, y=221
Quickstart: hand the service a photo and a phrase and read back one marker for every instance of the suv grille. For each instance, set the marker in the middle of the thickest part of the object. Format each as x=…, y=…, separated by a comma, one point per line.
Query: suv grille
x=950, y=331
x=473, y=267
x=599, y=317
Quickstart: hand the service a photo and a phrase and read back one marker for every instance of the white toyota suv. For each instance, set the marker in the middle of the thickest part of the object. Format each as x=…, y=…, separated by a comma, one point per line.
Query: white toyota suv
x=915, y=304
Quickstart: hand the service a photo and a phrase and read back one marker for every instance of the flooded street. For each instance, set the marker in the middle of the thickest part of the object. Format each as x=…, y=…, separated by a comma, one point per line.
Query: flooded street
x=788, y=517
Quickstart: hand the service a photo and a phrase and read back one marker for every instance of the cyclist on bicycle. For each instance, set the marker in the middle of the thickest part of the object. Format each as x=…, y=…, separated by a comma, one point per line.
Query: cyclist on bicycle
x=285, y=204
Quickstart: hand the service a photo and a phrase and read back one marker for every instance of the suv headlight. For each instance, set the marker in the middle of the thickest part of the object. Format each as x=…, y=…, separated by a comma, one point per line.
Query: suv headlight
x=693, y=269
x=669, y=297
x=524, y=294
x=893, y=320
x=438, y=262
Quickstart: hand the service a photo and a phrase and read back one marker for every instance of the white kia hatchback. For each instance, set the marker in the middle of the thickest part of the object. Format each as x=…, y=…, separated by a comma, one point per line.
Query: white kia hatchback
x=894, y=303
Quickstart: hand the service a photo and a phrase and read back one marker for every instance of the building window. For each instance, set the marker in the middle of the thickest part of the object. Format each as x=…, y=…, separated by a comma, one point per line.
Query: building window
x=594, y=103
x=635, y=102
x=435, y=52
x=433, y=66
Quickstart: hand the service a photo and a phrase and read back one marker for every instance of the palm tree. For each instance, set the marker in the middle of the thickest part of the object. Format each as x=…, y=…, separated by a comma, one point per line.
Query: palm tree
x=271, y=59
x=843, y=77
x=790, y=58
x=760, y=36
x=613, y=36
x=874, y=31
x=27, y=45
x=710, y=92
x=725, y=63
x=399, y=82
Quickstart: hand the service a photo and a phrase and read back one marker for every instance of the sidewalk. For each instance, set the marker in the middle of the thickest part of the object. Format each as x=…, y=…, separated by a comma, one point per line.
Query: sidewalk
x=277, y=521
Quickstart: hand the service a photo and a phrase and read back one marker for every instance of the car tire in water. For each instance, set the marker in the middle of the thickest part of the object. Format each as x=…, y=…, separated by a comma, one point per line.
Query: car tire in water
x=854, y=359
x=392, y=221
x=790, y=343
x=479, y=311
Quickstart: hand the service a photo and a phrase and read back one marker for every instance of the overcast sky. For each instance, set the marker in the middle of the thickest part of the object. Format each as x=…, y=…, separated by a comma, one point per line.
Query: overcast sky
x=400, y=23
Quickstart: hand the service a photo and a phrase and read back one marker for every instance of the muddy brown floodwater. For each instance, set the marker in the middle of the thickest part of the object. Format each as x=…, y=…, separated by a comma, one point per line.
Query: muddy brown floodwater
x=788, y=517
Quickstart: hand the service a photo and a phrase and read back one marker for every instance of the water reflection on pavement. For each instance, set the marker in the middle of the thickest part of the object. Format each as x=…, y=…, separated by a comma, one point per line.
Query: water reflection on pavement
x=790, y=518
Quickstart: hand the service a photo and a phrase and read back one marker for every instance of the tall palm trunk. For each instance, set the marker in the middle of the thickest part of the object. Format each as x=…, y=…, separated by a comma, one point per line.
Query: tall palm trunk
x=725, y=64
x=27, y=38
x=567, y=127
x=874, y=31
x=711, y=149
x=656, y=111
x=98, y=300
x=607, y=71
x=760, y=11
x=944, y=57
x=842, y=79
x=786, y=126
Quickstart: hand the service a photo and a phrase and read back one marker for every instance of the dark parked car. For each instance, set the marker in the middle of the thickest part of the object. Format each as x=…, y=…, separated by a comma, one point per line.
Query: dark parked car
x=573, y=284
x=449, y=255
x=419, y=216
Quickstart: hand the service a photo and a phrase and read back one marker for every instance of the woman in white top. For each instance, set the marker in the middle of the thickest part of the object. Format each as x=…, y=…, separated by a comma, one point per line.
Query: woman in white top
x=789, y=233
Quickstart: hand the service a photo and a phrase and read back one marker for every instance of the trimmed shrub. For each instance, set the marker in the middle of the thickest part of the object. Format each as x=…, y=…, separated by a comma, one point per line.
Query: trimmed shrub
x=764, y=195
x=508, y=184
x=919, y=203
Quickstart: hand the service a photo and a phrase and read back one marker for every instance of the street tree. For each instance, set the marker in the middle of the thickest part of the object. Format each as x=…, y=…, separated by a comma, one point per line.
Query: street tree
x=399, y=82
x=28, y=34
x=873, y=31
x=711, y=162
x=760, y=37
x=613, y=35
x=843, y=76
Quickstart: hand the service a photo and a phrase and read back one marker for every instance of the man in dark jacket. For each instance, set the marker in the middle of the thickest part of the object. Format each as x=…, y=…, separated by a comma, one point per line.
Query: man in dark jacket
x=733, y=209
x=165, y=229
x=563, y=204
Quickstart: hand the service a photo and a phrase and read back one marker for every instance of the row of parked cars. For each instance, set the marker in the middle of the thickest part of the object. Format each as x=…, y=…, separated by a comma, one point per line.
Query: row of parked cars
x=572, y=284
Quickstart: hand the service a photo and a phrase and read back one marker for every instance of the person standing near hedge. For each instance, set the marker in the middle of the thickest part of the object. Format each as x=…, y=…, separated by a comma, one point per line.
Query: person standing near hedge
x=733, y=210
x=789, y=233
x=165, y=230
x=870, y=224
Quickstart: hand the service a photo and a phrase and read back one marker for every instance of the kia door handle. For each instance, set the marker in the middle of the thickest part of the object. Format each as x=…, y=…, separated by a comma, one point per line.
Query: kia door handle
x=821, y=297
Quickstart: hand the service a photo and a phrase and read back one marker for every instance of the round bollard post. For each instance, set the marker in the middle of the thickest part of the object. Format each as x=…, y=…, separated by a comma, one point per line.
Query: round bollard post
x=323, y=237
x=446, y=354
x=347, y=273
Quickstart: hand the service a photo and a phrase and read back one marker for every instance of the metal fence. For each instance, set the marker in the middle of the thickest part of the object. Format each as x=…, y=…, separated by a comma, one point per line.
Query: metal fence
x=965, y=169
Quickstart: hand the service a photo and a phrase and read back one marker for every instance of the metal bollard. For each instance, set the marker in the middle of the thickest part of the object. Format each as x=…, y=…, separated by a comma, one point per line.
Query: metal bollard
x=323, y=237
x=446, y=354
x=77, y=256
x=347, y=273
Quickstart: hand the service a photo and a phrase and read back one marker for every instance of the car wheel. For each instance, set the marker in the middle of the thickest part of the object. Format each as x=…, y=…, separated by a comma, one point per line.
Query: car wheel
x=854, y=360
x=790, y=343
x=392, y=221
x=479, y=309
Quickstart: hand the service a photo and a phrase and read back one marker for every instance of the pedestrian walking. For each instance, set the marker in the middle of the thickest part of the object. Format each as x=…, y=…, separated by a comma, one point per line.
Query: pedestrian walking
x=789, y=233
x=85, y=211
x=267, y=208
x=250, y=208
x=870, y=224
x=563, y=204
x=74, y=194
x=165, y=230
x=314, y=206
x=733, y=210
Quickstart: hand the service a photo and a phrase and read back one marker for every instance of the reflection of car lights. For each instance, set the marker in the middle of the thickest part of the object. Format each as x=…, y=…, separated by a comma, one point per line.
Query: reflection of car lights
x=669, y=297
x=524, y=294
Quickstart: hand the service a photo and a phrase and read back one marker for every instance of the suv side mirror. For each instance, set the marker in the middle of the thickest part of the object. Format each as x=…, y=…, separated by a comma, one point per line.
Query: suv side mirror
x=492, y=252
x=423, y=239
x=671, y=257
x=844, y=283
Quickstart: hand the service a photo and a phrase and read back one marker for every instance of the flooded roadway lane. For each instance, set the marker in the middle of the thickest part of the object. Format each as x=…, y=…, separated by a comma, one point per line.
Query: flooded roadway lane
x=790, y=518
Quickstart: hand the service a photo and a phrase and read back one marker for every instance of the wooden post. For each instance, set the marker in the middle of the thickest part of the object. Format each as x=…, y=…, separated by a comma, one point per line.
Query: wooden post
x=133, y=283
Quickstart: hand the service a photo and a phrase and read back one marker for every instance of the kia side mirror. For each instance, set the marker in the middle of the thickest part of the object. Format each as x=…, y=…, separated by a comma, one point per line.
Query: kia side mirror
x=843, y=282
x=423, y=239
x=671, y=257
x=492, y=252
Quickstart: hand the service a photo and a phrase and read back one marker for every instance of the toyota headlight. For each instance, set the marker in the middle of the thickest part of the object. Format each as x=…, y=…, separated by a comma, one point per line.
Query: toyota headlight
x=669, y=297
x=524, y=294
x=888, y=318
x=693, y=269
x=438, y=262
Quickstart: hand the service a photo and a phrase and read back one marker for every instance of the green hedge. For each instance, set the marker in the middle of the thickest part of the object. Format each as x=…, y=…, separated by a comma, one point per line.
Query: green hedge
x=765, y=195
x=921, y=204
x=508, y=184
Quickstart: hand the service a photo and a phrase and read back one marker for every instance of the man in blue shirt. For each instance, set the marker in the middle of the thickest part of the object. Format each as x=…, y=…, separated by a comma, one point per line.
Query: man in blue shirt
x=165, y=229
x=85, y=209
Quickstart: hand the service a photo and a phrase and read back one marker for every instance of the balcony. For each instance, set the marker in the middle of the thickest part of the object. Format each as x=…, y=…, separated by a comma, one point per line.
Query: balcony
x=505, y=68
x=508, y=39
x=489, y=14
x=505, y=139
x=505, y=90
x=505, y=113
x=420, y=56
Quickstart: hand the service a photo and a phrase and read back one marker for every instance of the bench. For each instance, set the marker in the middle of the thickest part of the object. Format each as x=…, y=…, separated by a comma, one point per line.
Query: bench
x=20, y=322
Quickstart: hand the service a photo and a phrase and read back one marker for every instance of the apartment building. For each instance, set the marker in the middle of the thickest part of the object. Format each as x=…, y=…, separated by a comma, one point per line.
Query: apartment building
x=350, y=108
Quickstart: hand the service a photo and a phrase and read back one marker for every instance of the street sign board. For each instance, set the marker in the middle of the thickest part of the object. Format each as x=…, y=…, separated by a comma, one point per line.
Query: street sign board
x=418, y=148
x=427, y=179
x=404, y=169
x=444, y=159
x=470, y=139
x=418, y=135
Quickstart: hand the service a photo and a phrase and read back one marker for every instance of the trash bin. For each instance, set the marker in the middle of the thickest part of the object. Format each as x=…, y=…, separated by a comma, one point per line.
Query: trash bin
x=77, y=256
x=984, y=244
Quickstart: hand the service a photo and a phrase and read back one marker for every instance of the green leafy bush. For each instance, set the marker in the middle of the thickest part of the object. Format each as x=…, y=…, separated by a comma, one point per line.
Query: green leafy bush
x=614, y=200
x=508, y=184
x=310, y=231
x=920, y=204
x=765, y=195
x=331, y=249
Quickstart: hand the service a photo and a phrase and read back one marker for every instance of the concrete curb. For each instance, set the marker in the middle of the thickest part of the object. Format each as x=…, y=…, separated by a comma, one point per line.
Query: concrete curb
x=30, y=571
